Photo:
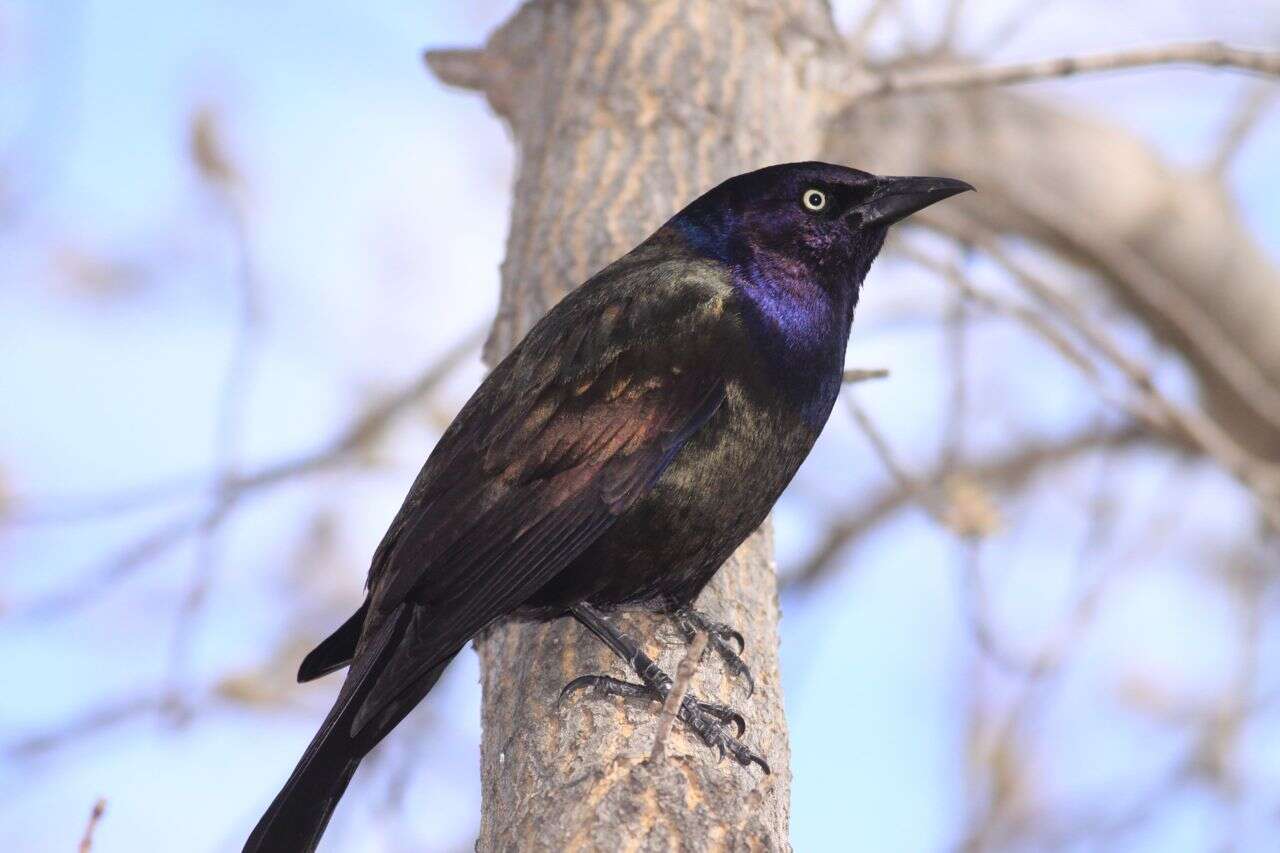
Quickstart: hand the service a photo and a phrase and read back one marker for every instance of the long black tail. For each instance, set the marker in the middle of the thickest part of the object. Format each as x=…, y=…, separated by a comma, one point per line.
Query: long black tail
x=297, y=817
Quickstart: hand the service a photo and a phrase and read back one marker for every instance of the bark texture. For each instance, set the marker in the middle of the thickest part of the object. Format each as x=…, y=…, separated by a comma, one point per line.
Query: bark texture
x=622, y=113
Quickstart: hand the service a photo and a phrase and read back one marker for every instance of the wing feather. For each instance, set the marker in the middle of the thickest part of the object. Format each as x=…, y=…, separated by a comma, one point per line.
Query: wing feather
x=564, y=436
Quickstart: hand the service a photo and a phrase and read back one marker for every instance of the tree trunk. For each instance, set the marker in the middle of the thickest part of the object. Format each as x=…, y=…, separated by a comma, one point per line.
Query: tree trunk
x=622, y=114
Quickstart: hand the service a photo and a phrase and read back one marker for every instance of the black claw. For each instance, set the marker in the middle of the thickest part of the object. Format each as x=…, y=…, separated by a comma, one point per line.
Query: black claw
x=707, y=720
x=726, y=632
x=607, y=685
x=724, y=714
x=720, y=637
x=582, y=682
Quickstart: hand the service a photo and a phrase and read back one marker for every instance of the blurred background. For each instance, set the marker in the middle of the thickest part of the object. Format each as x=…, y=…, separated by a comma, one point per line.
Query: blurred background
x=248, y=254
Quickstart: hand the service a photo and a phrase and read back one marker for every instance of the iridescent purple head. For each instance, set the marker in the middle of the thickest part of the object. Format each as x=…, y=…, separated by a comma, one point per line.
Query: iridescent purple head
x=814, y=220
x=798, y=240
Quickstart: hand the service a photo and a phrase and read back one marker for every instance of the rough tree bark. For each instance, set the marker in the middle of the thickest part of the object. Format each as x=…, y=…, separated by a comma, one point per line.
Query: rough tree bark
x=621, y=113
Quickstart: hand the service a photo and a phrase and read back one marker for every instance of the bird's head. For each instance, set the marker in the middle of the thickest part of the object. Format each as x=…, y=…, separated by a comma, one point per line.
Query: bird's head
x=811, y=221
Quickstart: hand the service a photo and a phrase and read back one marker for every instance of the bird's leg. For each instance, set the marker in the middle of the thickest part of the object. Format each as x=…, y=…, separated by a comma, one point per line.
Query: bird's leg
x=719, y=635
x=705, y=719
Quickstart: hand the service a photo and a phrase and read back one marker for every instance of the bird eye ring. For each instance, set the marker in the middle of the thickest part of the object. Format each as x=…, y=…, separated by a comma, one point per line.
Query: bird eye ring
x=814, y=200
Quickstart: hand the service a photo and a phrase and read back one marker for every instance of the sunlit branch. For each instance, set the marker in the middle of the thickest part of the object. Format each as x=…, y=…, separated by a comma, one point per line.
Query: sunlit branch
x=1211, y=54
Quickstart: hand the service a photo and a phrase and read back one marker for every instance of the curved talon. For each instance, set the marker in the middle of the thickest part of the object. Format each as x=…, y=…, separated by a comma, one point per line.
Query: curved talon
x=736, y=667
x=582, y=682
x=707, y=720
x=606, y=685
x=724, y=631
x=725, y=715
x=722, y=638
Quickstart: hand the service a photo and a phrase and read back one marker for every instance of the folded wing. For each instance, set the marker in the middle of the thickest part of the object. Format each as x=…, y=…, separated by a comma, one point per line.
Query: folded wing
x=562, y=438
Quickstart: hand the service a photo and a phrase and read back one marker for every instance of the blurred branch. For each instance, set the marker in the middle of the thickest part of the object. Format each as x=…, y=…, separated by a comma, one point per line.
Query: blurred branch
x=1212, y=54
x=856, y=374
x=1006, y=472
x=95, y=816
x=464, y=68
x=950, y=32
x=208, y=150
x=1252, y=108
x=880, y=444
x=1041, y=326
x=1157, y=296
x=235, y=488
x=1259, y=476
x=97, y=720
x=1013, y=24
x=862, y=30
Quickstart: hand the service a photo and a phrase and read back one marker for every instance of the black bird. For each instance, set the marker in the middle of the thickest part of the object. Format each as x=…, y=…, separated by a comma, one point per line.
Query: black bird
x=621, y=452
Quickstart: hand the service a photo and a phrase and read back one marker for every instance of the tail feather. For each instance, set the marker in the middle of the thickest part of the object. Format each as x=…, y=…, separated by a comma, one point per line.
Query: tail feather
x=296, y=819
x=337, y=650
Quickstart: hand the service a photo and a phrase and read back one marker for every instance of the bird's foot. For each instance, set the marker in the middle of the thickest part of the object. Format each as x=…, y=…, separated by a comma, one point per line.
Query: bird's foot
x=719, y=637
x=707, y=719
x=606, y=685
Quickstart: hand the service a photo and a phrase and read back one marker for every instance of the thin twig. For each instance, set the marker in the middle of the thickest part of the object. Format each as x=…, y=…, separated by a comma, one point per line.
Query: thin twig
x=1006, y=472
x=1013, y=24
x=223, y=181
x=1042, y=326
x=1260, y=477
x=1213, y=54
x=880, y=445
x=684, y=674
x=357, y=435
x=1161, y=297
x=234, y=489
x=862, y=30
x=1150, y=406
x=950, y=34
x=1253, y=106
x=95, y=816
x=857, y=374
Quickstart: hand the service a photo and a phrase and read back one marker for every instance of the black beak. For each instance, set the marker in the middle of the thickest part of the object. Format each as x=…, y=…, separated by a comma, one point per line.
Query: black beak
x=897, y=198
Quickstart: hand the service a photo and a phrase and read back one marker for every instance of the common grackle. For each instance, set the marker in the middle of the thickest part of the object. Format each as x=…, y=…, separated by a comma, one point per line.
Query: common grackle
x=620, y=453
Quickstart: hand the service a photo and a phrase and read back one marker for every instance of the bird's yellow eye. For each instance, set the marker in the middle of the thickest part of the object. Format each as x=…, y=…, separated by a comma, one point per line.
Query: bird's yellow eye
x=814, y=200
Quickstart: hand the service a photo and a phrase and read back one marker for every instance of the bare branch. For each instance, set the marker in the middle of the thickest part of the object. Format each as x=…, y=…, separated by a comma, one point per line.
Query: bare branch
x=465, y=68
x=1251, y=108
x=232, y=490
x=951, y=25
x=1212, y=54
x=1258, y=475
x=1013, y=24
x=96, y=720
x=1160, y=297
x=866, y=26
x=684, y=674
x=86, y=840
x=1262, y=478
x=1006, y=472
x=892, y=464
x=856, y=374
